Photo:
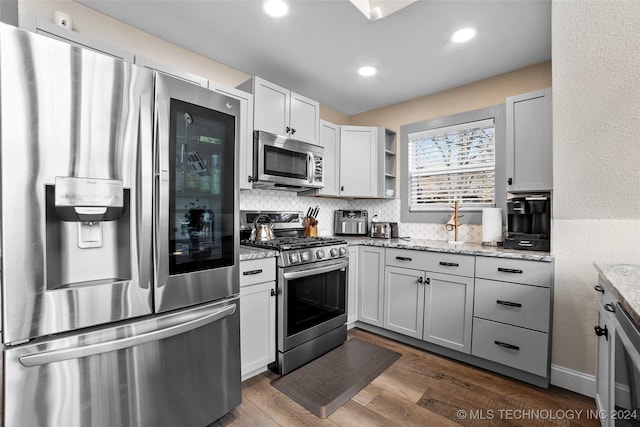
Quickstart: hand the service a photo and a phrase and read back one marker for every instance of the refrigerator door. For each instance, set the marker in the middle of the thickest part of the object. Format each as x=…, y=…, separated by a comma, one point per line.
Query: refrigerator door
x=76, y=187
x=196, y=226
x=178, y=369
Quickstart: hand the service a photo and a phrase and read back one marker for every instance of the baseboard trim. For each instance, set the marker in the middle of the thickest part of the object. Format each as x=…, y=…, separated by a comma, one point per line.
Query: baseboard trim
x=575, y=381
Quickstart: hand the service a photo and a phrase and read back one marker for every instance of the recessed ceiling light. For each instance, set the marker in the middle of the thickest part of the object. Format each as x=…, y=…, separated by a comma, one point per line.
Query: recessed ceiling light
x=464, y=35
x=367, y=71
x=275, y=8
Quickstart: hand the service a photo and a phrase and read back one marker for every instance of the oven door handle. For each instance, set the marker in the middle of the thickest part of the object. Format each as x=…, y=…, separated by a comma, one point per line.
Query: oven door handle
x=291, y=275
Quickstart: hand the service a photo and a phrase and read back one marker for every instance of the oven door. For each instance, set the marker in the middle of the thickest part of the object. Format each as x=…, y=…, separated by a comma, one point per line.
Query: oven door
x=311, y=301
x=287, y=162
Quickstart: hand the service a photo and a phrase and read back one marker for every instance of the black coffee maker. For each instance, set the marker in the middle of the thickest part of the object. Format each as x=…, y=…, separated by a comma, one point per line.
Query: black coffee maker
x=529, y=222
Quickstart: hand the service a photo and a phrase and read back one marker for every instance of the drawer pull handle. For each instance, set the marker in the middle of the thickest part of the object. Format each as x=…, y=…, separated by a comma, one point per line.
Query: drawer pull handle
x=403, y=258
x=507, y=346
x=449, y=264
x=509, y=270
x=509, y=303
x=251, y=272
x=610, y=308
x=599, y=288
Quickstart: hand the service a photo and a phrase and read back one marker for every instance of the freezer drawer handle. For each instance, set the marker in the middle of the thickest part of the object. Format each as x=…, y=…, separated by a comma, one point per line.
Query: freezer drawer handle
x=44, y=358
x=507, y=346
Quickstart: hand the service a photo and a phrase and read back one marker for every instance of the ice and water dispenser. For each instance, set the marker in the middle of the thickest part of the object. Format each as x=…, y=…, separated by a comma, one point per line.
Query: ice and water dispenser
x=88, y=229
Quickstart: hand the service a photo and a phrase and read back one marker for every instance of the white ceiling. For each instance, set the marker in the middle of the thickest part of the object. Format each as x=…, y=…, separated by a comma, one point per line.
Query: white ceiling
x=317, y=48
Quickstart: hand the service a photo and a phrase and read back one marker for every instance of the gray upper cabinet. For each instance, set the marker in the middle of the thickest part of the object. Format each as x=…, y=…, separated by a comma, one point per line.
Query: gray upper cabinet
x=330, y=140
x=282, y=112
x=529, y=141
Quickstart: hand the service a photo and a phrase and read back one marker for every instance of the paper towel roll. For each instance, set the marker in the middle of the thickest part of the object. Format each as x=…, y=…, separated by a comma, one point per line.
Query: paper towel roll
x=491, y=225
x=63, y=20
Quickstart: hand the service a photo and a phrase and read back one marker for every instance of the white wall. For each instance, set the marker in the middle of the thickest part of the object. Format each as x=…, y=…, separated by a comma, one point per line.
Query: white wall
x=596, y=156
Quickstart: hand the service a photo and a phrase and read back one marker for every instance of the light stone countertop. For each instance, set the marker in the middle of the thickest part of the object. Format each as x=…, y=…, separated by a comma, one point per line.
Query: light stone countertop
x=248, y=253
x=624, y=280
x=445, y=246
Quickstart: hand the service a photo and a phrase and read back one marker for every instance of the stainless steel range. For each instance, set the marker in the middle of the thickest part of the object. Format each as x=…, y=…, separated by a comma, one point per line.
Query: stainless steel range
x=312, y=289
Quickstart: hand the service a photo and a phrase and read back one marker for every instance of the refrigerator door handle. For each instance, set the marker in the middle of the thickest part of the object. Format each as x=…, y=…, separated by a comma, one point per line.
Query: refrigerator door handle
x=36, y=359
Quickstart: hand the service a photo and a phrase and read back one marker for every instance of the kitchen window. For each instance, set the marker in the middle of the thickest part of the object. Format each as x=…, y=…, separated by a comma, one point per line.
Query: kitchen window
x=453, y=158
x=452, y=163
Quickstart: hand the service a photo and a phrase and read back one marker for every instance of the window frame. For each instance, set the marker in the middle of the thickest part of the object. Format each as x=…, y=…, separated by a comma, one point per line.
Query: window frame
x=471, y=215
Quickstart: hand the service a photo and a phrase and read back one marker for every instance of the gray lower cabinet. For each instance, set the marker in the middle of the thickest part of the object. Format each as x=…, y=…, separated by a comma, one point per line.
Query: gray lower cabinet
x=448, y=311
x=494, y=312
x=404, y=301
x=371, y=285
x=429, y=305
x=512, y=313
x=257, y=315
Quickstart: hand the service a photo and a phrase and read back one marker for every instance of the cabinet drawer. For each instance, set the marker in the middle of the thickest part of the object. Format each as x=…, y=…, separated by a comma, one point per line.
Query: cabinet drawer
x=257, y=271
x=438, y=262
x=515, y=270
x=520, y=305
x=519, y=348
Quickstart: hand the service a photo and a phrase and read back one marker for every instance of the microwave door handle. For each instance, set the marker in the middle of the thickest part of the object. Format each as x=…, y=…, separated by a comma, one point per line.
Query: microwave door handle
x=310, y=167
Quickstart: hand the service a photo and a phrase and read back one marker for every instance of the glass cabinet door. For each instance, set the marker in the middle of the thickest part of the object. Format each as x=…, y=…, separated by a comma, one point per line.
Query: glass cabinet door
x=201, y=189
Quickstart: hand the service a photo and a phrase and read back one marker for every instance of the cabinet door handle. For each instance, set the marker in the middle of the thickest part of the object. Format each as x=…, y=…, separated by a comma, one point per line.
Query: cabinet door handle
x=287, y=129
x=602, y=332
x=403, y=258
x=610, y=308
x=509, y=303
x=509, y=270
x=507, y=346
x=449, y=264
x=342, y=188
x=599, y=288
x=420, y=280
x=293, y=131
x=428, y=281
x=510, y=181
x=273, y=292
x=251, y=272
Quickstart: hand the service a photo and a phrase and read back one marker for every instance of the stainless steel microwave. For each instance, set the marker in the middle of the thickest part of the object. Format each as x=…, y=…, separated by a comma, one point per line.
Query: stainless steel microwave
x=286, y=164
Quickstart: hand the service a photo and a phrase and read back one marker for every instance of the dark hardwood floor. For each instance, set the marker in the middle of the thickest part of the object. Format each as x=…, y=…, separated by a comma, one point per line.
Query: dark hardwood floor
x=421, y=389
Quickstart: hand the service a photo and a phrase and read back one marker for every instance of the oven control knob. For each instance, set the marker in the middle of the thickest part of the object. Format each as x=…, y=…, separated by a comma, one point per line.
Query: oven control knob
x=305, y=256
x=343, y=250
x=319, y=254
x=333, y=252
x=294, y=258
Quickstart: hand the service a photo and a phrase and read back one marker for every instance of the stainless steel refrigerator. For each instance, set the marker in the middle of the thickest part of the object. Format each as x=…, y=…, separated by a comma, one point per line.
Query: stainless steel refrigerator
x=119, y=242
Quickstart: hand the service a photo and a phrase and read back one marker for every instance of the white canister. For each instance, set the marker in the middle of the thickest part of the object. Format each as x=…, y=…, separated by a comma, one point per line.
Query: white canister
x=491, y=226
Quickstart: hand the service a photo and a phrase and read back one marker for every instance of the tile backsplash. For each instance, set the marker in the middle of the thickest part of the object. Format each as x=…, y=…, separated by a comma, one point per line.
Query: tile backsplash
x=388, y=210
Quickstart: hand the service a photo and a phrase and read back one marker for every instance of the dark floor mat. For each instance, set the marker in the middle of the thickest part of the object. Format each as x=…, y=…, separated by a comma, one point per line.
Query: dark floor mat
x=325, y=384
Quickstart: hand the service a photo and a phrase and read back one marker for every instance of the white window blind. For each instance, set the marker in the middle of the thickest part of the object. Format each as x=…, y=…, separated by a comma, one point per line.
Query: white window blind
x=452, y=163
